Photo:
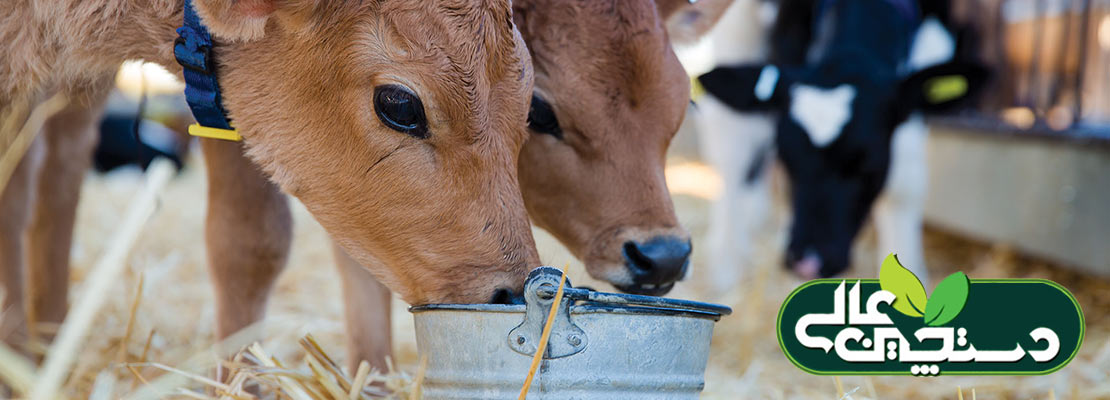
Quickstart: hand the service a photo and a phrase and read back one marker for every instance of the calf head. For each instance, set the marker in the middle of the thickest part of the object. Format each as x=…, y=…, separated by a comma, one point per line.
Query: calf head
x=834, y=137
x=397, y=123
x=610, y=94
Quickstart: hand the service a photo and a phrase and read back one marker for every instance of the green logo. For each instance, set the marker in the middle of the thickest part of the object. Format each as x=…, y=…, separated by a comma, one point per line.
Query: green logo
x=890, y=326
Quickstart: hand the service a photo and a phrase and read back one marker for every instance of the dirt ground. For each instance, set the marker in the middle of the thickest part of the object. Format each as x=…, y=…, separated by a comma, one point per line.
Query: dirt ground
x=175, y=311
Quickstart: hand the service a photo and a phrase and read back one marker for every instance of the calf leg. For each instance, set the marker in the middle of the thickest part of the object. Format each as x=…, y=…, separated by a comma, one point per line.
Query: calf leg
x=367, y=309
x=738, y=145
x=247, y=233
x=69, y=137
x=899, y=212
x=15, y=211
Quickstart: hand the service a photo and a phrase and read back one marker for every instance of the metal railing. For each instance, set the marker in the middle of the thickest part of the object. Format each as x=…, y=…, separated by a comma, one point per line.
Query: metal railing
x=1051, y=63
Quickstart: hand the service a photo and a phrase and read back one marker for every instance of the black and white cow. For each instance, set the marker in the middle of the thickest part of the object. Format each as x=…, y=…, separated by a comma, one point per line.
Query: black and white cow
x=837, y=99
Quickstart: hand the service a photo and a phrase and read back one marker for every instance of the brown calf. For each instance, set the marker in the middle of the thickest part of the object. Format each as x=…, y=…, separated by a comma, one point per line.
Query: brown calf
x=610, y=94
x=437, y=217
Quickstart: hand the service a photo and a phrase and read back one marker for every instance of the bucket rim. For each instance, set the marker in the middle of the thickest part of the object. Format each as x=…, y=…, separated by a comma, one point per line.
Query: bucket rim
x=588, y=308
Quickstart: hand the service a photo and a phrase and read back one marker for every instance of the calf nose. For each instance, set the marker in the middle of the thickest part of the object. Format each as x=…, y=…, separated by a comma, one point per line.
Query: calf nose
x=506, y=296
x=659, y=261
x=807, y=266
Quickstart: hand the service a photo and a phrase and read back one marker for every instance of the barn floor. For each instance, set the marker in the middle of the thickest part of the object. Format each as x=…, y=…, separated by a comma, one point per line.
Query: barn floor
x=175, y=307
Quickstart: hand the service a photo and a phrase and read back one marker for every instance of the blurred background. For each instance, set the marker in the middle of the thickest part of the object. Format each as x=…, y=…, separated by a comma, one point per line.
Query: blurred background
x=1019, y=187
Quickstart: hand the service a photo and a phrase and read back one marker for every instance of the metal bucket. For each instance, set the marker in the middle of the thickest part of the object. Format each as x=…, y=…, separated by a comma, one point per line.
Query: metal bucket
x=602, y=345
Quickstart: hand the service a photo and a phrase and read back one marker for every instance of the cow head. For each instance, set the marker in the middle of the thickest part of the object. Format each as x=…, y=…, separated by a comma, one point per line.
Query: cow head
x=609, y=96
x=834, y=137
x=397, y=123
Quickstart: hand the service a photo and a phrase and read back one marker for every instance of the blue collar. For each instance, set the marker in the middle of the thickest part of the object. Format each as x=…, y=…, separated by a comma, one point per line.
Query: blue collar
x=194, y=50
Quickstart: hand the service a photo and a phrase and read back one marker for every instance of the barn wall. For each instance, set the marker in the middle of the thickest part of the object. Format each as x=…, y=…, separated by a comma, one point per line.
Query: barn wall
x=1046, y=197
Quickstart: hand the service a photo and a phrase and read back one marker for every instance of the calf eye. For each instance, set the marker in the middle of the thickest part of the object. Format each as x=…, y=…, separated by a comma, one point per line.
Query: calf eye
x=541, y=118
x=401, y=110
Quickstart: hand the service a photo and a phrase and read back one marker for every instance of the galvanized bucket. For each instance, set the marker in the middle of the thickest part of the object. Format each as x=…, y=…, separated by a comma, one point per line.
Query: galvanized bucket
x=602, y=345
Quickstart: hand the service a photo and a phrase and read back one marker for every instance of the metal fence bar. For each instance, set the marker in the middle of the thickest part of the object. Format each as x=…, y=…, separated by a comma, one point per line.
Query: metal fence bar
x=1046, y=73
x=1033, y=77
x=1084, y=35
x=1060, y=78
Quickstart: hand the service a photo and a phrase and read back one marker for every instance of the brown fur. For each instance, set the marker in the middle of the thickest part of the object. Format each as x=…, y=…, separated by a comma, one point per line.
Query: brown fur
x=38, y=209
x=443, y=215
x=69, y=139
x=14, y=203
x=619, y=122
x=619, y=92
x=689, y=23
x=609, y=71
x=368, y=314
x=247, y=245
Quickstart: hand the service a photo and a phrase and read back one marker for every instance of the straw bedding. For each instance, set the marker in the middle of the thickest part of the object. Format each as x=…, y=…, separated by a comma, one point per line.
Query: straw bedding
x=154, y=336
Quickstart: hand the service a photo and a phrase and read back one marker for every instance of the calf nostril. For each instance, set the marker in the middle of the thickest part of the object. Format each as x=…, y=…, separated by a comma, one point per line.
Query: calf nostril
x=506, y=296
x=636, y=259
x=660, y=260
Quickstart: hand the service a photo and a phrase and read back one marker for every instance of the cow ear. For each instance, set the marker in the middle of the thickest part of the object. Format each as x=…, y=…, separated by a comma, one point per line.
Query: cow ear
x=749, y=87
x=688, y=21
x=940, y=88
x=244, y=20
x=667, y=8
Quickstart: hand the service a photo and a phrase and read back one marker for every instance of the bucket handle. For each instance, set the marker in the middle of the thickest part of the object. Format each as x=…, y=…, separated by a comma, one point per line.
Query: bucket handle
x=634, y=299
x=566, y=338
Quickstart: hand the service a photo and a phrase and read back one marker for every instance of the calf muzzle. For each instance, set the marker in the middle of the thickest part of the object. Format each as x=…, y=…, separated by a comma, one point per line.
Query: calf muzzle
x=656, y=264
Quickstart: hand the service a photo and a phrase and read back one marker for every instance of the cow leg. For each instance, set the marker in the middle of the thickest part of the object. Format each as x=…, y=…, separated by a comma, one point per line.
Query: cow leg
x=15, y=212
x=70, y=137
x=899, y=212
x=367, y=310
x=247, y=232
x=739, y=147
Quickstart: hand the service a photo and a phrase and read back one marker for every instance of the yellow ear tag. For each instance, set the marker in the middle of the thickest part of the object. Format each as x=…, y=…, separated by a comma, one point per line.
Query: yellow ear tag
x=945, y=88
x=696, y=89
x=214, y=133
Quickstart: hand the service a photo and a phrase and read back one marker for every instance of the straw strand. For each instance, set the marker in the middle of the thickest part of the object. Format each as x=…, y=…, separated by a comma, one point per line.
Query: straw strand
x=86, y=308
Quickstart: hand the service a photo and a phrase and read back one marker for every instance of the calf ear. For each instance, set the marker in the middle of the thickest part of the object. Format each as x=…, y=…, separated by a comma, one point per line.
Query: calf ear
x=940, y=88
x=749, y=87
x=236, y=20
x=687, y=22
x=668, y=8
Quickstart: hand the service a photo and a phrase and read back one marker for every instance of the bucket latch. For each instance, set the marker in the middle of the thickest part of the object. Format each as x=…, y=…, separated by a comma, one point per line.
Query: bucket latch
x=566, y=338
